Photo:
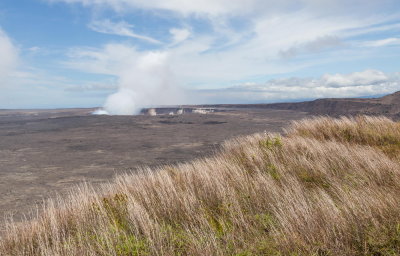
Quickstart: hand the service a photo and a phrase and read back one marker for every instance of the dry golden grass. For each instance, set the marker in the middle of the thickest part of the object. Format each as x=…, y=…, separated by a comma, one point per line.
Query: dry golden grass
x=379, y=132
x=328, y=187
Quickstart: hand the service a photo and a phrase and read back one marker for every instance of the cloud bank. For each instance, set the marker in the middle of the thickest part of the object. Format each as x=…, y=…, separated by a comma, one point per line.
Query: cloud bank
x=357, y=84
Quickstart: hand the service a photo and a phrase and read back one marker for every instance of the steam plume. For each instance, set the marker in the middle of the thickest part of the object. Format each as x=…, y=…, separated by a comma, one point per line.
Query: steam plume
x=148, y=81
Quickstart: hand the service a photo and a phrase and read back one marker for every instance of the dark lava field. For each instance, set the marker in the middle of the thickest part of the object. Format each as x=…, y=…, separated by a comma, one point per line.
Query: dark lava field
x=44, y=153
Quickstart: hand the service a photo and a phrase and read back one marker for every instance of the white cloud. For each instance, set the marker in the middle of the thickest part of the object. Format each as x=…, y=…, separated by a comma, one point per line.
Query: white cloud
x=367, y=77
x=377, y=28
x=234, y=7
x=357, y=84
x=119, y=28
x=179, y=35
x=213, y=7
x=383, y=42
x=8, y=59
x=34, y=49
x=203, y=60
x=316, y=45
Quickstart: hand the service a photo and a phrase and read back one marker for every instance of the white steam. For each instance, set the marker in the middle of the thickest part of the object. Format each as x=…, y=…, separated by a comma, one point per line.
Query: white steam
x=122, y=102
x=146, y=81
x=99, y=112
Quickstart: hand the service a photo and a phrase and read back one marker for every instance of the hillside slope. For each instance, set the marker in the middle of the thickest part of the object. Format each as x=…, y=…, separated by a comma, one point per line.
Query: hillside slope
x=328, y=187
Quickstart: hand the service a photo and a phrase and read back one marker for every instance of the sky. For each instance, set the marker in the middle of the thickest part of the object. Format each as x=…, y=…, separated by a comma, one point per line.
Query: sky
x=123, y=54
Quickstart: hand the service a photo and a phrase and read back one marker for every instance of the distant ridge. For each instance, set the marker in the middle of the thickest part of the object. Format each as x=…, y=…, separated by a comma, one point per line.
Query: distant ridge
x=388, y=105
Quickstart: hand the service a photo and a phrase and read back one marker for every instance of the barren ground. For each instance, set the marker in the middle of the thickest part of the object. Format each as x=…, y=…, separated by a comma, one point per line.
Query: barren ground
x=44, y=153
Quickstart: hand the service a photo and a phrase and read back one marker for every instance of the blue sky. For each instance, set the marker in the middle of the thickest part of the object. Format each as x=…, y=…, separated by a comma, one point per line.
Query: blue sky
x=123, y=54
